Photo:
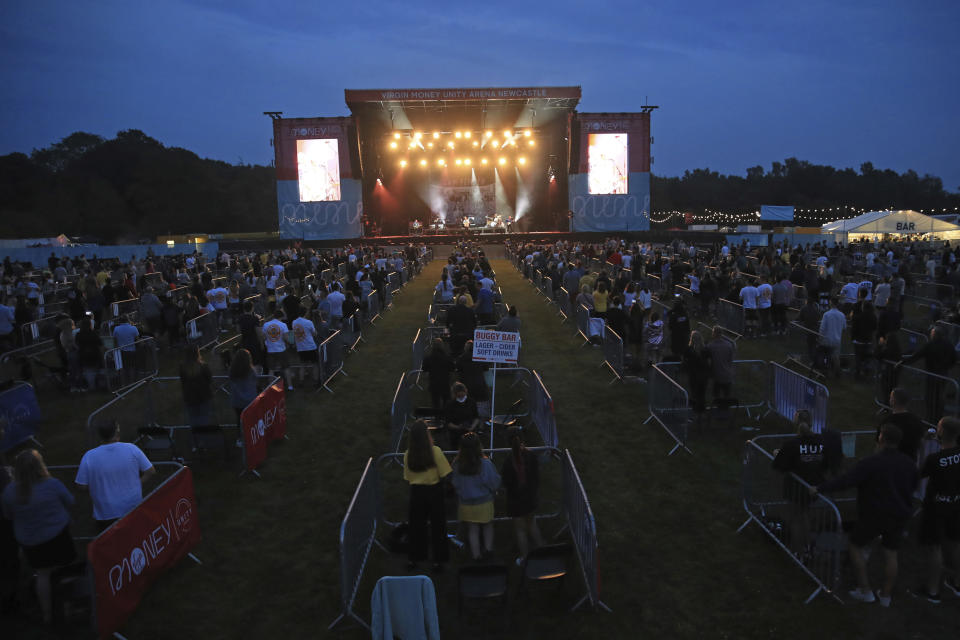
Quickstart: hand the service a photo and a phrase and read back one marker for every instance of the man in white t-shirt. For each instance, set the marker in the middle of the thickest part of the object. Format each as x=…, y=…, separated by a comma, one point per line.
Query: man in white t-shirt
x=848, y=295
x=832, y=325
x=218, y=298
x=305, y=338
x=748, y=296
x=882, y=294
x=335, y=298
x=275, y=340
x=114, y=474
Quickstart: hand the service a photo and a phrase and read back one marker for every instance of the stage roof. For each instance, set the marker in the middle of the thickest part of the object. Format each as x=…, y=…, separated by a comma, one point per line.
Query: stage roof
x=477, y=107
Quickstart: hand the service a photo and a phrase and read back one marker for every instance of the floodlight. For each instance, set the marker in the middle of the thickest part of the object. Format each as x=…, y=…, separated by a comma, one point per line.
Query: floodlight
x=396, y=135
x=436, y=134
x=483, y=161
x=441, y=162
x=403, y=163
x=531, y=142
x=450, y=144
x=393, y=145
x=466, y=134
x=476, y=144
x=459, y=162
x=502, y=161
x=467, y=162
x=527, y=133
x=459, y=134
x=506, y=134
x=430, y=144
x=417, y=135
x=423, y=162
x=522, y=160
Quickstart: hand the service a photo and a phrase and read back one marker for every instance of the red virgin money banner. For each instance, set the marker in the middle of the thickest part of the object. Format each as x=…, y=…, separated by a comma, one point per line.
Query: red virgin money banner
x=129, y=556
x=264, y=421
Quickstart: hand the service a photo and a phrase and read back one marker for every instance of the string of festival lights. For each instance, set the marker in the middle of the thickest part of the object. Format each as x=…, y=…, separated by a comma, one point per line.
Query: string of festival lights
x=823, y=214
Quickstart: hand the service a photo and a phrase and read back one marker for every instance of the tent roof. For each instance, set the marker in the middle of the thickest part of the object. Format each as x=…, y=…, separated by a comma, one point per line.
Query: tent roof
x=905, y=221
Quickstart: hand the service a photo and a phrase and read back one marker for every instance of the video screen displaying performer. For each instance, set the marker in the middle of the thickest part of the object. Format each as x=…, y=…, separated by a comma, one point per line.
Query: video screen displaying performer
x=607, y=161
x=318, y=169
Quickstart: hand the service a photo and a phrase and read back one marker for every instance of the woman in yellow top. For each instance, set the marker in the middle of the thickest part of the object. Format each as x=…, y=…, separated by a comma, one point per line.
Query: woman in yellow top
x=600, y=296
x=424, y=467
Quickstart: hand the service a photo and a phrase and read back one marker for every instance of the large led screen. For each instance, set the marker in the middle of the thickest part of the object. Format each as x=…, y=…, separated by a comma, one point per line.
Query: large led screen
x=318, y=169
x=607, y=159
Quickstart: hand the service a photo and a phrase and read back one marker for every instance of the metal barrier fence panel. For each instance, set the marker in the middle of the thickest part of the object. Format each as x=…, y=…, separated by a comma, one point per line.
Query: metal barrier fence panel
x=910, y=341
x=422, y=340
x=129, y=307
x=583, y=323
x=934, y=291
x=387, y=296
x=203, y=330
x=563, y=303
x=331, y=358
x=350, y=331
x=125, y=367
x=358, y=532
x=808, y=530
x=791, y=391
x=541, y=412
x=327, y=276
x=259, y=304
x=613, y=352
x=669, y=405
x=373, y=307
x=583, y=530
x=919, y=313
x=750, y=382
x=931, y=396
x=801, y=343
x=38, y=331
x=952, y=331
x=730, y=315
x=401, y=409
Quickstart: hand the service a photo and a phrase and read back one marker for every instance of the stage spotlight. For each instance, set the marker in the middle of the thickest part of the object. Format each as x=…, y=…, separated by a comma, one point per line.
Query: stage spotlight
x=450, y=144
x=417, y=135
x=396, y=136
x=467, y=162
x=494, y=142
x=403, y=163
x=441, y=162
x=476, y=144
x=483, y=161
x=423, y=162
x=436, y=134
x=522, y=160
x=531, y=142
x=430, y=144
x=502, y=161
x=488, y=133
x=413, y=145
x=506, y=134
x=466, y=134
x=459, y=162
x=459, y=134
x=513, y=141
x=393, y=145
x=527, y=133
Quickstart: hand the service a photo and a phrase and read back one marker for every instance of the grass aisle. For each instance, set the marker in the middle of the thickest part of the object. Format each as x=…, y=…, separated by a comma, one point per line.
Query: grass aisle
x=671, y=562
x=271, y=565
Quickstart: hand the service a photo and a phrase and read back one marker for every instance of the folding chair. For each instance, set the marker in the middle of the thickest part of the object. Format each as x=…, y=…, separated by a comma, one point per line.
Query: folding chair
x=154, y=440
x=545, y=565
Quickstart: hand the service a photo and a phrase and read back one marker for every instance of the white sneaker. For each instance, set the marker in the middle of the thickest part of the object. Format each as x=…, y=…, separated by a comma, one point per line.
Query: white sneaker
x=864, y=596
x=883, y=600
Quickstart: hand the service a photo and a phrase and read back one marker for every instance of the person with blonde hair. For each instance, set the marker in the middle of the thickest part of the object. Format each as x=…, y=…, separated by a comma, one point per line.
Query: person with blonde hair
x=39, y=507
x=476, y=481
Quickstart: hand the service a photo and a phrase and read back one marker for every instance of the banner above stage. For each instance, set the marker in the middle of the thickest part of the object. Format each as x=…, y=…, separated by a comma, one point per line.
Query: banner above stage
x=489, y=93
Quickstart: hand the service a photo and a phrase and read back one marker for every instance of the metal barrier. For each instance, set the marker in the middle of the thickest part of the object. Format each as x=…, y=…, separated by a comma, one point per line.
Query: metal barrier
x=749, y=387
x=387, y=296
x=583, y=530
x=563, y=304
x=358, y=533
x=934, y=291
x=422, y=341
x=911, y=341
x=669, y=405
x=350, y=331
x=373, y=307
x=931, y=396
x=401, y=409
x=129, y=307
x=613, y=353
x=155, y=402
x=583, y=324
x=801, y=344
x=437, y=312
x=38, y=330
x=331, y=358
x=730, y=315
x=203, y=330
x=541, y=411
x=126, y=366
x=327, y=276
x=919, y=313
x=812, y=526
x=791, y=391
x=259, y=304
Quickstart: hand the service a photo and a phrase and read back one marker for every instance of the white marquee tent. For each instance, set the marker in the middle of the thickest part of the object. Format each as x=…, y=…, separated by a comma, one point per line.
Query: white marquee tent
x=878, y=225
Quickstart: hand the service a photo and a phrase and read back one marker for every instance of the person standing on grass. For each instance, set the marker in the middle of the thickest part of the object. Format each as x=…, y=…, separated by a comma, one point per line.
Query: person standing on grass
x=476, y=481
x=885, y=482
x=39, y=507
x=940, y=523
x=521, y=479
x=424, y=468
x=832, y=325
x=722, y=352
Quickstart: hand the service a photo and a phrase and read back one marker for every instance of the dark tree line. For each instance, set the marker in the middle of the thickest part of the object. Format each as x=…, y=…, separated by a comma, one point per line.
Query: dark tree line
x=802, y=184
x=130, y=188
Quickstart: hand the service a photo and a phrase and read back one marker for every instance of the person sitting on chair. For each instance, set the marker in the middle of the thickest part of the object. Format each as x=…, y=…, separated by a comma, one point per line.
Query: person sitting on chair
x=460, y=415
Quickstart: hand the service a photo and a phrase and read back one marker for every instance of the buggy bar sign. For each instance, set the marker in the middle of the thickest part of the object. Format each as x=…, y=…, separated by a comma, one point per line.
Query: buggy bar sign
x=496, y=346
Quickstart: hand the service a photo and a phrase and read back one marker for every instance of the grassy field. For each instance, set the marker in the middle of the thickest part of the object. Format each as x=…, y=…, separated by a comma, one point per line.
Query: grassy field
x=671, y=562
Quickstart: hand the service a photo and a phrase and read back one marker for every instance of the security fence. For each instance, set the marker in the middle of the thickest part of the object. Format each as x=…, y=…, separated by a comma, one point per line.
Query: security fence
x=127, y=365
x=669, y=405
x=203, y=331
x=932, y=396
x=791, y=391
x=730, y=315
x=613, y=353
x=331, y=358
x=583, y=530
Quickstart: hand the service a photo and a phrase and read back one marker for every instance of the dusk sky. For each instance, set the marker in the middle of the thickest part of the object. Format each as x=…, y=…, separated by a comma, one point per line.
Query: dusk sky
x=738, y=84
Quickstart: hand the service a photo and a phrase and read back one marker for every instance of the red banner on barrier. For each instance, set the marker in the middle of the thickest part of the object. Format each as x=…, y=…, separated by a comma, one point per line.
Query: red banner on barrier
x=264, y=421
x=129, y=556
